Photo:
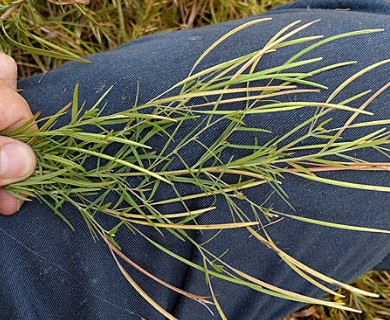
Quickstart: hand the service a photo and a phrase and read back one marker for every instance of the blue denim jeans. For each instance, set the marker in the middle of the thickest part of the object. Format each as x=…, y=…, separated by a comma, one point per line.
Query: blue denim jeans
x=51, y=272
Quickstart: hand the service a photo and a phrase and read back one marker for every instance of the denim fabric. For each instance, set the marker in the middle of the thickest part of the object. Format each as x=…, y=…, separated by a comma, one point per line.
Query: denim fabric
x=50, y=272
x=373, y=6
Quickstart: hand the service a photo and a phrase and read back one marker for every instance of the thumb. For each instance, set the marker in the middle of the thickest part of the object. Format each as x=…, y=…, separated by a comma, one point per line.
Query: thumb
x=17, y=161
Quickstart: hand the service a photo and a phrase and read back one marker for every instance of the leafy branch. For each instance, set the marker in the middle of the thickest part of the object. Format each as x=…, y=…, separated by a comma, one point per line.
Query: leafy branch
x=96, y=155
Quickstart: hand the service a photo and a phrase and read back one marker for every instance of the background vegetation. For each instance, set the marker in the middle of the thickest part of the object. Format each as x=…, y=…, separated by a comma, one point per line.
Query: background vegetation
x=42, y=34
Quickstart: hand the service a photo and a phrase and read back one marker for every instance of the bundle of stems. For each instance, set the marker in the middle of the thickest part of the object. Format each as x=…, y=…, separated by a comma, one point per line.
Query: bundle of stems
x=95, y=156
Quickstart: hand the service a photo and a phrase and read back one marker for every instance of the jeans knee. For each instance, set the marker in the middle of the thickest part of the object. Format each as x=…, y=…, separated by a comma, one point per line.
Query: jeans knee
x=368, y=6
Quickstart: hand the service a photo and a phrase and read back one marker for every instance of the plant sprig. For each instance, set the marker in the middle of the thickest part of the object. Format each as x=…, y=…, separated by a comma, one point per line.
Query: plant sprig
x=115, y=156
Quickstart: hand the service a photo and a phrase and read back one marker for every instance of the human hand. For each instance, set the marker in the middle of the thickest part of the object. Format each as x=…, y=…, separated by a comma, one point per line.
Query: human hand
x=17, y=159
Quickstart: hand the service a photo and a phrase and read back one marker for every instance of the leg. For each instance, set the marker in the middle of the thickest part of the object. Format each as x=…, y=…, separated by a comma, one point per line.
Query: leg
x=45, y=261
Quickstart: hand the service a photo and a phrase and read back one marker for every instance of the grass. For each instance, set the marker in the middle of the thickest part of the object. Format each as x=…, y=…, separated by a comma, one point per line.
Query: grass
x=41, y=35
x=373, y=308
x=34, y=30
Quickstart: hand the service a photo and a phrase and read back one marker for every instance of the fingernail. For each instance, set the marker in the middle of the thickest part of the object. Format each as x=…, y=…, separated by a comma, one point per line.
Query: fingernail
x=16, y=160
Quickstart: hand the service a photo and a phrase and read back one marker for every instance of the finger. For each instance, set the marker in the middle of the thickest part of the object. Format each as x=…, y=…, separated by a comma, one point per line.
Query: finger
x=17, y=161
x=14, y=110
x=8, y=70
x=8, y=204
